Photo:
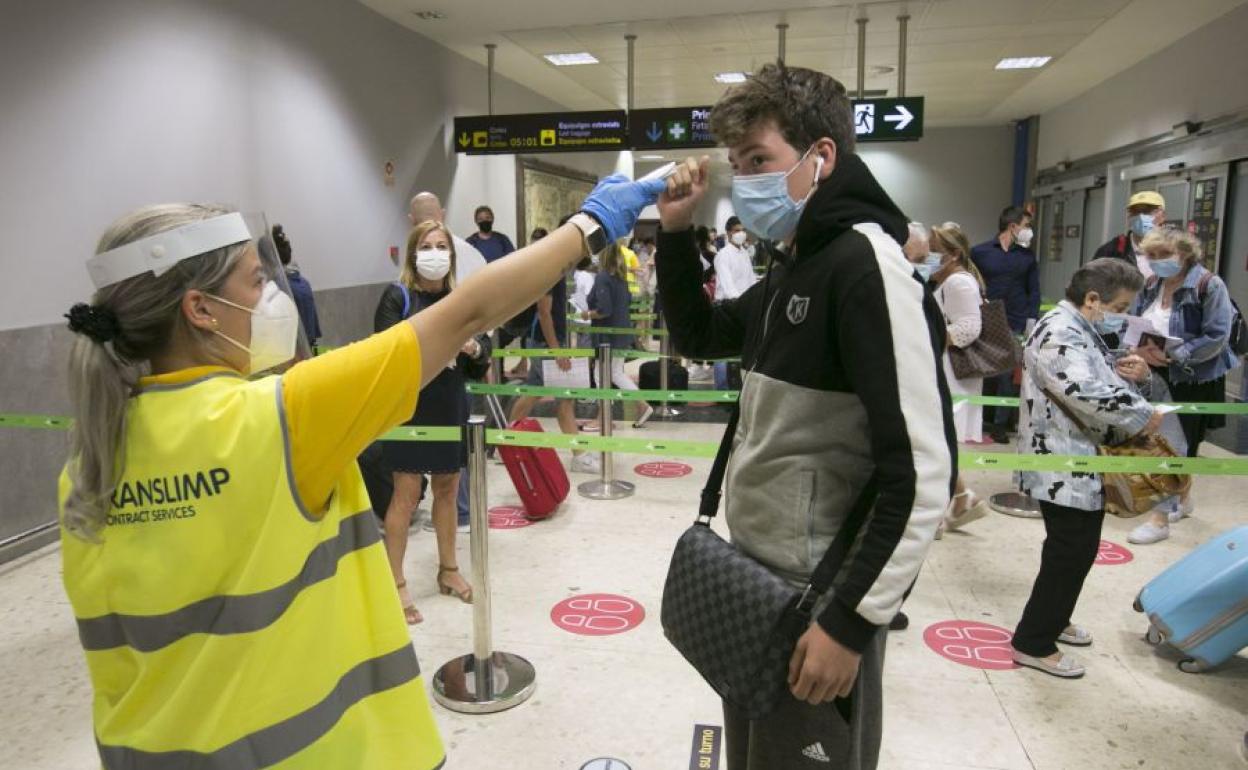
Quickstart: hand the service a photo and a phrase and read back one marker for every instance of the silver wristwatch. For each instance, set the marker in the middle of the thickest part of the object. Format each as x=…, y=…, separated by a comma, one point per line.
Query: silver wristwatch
x=595, y=237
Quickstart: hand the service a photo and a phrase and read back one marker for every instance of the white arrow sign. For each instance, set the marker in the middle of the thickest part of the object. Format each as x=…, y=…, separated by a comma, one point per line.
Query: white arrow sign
x=902, y=118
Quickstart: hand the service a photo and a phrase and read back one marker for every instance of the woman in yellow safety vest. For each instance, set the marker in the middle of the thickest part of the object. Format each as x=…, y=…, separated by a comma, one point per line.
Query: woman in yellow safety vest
x=229, y=583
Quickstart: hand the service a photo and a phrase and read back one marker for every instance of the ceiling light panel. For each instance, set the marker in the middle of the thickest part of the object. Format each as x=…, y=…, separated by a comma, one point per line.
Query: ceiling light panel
x=1024, y=63
x=570, y=59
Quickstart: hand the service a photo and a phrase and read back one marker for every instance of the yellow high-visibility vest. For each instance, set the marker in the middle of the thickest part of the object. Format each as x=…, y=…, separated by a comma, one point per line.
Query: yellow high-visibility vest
x=224, y=625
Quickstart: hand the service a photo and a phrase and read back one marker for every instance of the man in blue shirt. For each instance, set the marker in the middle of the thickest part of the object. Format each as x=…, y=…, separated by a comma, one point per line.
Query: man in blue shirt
x=492, y=245
x=1011, y=274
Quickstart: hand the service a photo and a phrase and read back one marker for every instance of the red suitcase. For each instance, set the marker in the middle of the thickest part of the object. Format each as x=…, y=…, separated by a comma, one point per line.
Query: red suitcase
x=538, y=474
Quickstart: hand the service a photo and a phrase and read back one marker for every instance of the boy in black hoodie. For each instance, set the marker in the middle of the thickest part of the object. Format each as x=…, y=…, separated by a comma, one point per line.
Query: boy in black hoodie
x=842, y=348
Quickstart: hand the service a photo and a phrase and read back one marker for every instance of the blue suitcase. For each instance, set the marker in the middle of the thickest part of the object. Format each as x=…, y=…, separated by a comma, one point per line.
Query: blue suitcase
x=1199, y=605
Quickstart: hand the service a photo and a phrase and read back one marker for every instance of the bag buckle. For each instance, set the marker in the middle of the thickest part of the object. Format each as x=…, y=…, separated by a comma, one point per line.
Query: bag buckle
x=702, y=520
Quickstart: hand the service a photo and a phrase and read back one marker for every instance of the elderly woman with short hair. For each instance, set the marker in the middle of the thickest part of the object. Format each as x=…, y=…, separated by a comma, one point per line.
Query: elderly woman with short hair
x=1075, y=397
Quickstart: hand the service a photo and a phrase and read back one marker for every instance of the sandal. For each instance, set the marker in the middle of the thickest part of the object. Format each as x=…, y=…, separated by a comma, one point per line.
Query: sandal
x=410, y=613
x=464, y=596
x=975, y=509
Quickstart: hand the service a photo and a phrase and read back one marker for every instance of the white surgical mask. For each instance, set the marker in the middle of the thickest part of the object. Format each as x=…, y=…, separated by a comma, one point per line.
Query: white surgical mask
x=738, y=238
x=433, y=263
x=762, y=200
x=1025, y=237
x=274, y=329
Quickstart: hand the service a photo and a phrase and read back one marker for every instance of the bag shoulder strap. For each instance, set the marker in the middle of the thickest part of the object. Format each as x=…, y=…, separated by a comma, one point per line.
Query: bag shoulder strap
x=1069, y=413
x=713, y=490
x=407, y=298
x=825, y=572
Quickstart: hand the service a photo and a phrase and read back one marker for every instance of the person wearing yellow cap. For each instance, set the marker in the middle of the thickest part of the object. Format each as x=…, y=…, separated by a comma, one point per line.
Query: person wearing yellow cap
x=1145, y=212
x=228, y=580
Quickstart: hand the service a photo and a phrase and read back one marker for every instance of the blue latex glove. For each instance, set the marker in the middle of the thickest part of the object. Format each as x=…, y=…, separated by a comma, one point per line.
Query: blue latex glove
x=617, y=201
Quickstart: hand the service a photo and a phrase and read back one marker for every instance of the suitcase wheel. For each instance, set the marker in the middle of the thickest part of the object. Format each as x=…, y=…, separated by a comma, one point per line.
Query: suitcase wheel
x=1190, y=666
x=1136, y=605
x=1153, y=636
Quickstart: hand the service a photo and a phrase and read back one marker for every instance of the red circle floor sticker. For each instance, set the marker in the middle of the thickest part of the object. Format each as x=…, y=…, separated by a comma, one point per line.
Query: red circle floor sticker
x=977, y=645
x=597, y=614
x=1112, y=554
x=663, y=470
x=508, y=517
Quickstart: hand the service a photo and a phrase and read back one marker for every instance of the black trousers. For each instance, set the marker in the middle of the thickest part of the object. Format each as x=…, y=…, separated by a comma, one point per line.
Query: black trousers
x=798, y=736
x=1072, y=539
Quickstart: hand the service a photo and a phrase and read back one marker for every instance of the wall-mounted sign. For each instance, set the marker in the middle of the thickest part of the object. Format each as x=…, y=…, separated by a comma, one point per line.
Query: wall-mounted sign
x=897, y=119
x=670, y=128
x=542, y=132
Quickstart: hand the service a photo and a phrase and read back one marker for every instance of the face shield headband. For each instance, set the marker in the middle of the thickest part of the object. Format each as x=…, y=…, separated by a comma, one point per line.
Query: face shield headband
x=157, y=254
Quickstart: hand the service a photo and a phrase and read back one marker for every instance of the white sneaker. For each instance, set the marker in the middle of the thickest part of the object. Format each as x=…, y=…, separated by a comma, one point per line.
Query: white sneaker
x=1148, y=533
x=646, y=414
x=1175, y=515
x=586, y=463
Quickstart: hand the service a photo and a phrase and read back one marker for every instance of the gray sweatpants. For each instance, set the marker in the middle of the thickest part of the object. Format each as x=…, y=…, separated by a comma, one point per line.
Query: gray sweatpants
x=797, y=736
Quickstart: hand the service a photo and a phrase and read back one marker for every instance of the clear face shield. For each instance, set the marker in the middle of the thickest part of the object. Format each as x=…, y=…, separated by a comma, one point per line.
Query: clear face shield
x=158, y=253
x=271, y=263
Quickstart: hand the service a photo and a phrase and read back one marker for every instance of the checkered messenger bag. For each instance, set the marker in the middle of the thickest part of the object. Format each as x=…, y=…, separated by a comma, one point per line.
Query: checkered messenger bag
x=731, y=617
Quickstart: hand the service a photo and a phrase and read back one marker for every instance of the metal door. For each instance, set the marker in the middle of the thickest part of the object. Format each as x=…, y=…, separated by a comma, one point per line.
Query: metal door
x=1062, y=236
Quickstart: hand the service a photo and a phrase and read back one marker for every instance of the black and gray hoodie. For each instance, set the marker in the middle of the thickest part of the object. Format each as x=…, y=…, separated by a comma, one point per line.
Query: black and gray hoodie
x=842, y=349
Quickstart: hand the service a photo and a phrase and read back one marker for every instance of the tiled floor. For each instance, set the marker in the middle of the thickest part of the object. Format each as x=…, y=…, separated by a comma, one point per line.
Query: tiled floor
x=633, y=698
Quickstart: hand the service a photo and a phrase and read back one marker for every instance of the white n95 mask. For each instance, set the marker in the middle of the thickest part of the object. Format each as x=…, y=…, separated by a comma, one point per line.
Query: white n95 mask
x=274, y=329
x=433, y=263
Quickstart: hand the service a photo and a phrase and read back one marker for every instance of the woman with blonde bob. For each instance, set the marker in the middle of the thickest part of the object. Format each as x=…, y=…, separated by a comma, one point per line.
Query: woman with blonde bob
x=227, y=577
x=428, y=277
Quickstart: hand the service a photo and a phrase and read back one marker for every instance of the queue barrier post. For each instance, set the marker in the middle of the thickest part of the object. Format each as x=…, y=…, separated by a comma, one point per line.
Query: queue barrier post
x=664, y=411
x=606, y=487
x=484, y=681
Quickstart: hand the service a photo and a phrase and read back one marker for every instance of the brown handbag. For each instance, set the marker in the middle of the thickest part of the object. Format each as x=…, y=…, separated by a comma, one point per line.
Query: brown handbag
x=1131, y=494
x=995, y=351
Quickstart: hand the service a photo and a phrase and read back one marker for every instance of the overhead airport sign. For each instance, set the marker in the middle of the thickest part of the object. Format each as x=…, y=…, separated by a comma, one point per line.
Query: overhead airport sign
x=670, y=128
x=542, y=132
x=897, y=119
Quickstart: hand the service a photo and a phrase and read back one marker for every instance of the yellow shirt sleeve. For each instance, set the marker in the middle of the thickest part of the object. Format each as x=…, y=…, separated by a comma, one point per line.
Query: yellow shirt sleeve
x=339, y=403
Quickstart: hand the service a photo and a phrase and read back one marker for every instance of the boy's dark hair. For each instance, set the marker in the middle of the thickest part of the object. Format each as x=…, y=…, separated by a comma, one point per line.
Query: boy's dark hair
x=483, y=210
x=732, y=222
x=1011, y=215
x=805, y=105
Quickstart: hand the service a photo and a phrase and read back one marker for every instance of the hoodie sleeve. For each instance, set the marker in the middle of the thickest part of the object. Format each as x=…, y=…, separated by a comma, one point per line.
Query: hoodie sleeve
x=698, y=328
x=889, y=330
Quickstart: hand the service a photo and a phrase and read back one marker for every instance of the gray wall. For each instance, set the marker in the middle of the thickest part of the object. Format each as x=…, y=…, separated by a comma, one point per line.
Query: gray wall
x=1199, y=77
x=952, y=174
x=282, y=106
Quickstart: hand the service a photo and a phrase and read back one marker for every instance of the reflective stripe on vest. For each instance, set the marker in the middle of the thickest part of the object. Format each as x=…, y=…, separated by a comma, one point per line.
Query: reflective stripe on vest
x=224, y=625
x=273, y=744
x=229, y=614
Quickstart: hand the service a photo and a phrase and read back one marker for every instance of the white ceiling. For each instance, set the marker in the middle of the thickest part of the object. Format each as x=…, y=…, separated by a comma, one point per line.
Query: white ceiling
x=953, y=45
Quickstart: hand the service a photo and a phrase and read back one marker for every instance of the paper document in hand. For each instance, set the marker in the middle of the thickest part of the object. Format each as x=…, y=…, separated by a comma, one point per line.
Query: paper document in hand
x=1138, y=327
x=576, y=377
